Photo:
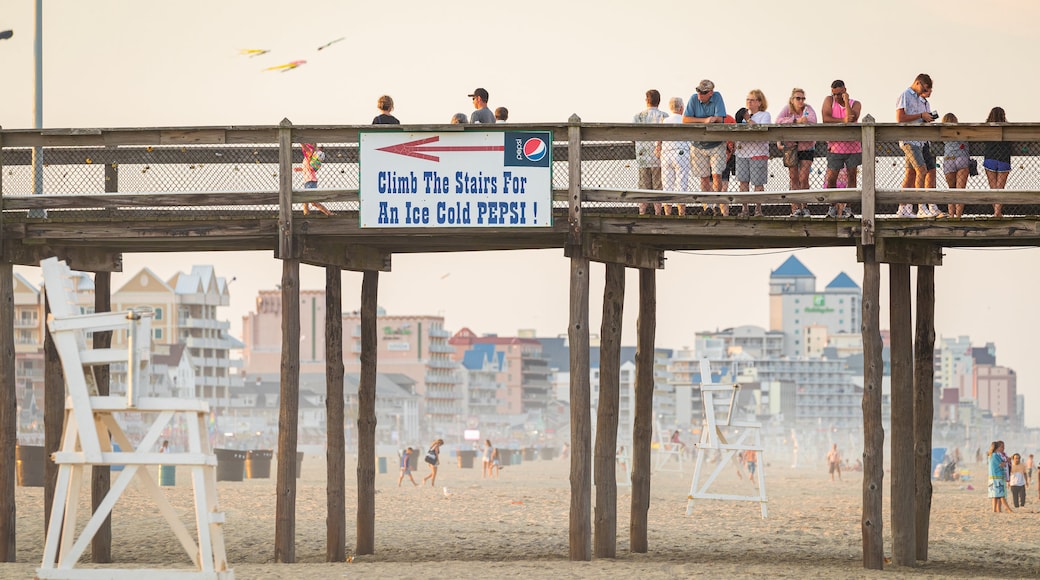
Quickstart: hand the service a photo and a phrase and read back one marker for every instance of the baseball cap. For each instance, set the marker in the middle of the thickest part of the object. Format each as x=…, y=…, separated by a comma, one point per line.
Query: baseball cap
x=705, y=86
x=482, y=93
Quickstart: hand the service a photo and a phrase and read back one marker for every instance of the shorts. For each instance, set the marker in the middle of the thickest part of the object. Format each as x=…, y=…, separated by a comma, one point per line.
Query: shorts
x=753, y=171
x=649, y=178
x=997, y=165
x=708, y=162
x=997, y=488
x=918, y=157
x=751, y=467
x=850, y=161
x=834, y=468
x=806, y=155
x=310, y=185
x=955, y=163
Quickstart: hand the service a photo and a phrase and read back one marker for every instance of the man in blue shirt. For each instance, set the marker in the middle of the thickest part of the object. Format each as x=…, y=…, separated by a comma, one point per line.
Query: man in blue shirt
x=708, y=158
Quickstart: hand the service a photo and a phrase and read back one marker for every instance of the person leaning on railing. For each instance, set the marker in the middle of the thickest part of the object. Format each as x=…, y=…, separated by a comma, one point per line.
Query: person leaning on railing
x=956, y=166
x=997, y=159
x=839, y=107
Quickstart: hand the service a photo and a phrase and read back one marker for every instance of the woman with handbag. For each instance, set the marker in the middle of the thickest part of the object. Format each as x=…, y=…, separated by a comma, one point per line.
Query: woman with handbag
x=798, y=155
x=433, y=458
x=956, y=166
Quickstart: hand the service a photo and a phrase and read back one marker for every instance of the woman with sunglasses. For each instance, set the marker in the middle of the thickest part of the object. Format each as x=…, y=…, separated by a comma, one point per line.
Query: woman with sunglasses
x=799, y=112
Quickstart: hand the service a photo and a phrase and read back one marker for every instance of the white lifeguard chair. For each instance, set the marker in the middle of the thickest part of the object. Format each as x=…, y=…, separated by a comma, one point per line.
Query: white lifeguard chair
x=727, y=436
x=91, y=426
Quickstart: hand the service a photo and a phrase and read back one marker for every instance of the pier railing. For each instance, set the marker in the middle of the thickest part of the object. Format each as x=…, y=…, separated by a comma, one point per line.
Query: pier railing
x=141, y=173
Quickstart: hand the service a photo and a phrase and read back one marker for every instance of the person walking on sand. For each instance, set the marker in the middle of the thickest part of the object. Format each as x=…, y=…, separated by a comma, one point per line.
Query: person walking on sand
x=834, y=462
x=997, y=489
x=1018, y=481
x=433, y=457
x=406, y=467
x=751, y=459
x=495, y=465
x=313, y=157
x=485, y=467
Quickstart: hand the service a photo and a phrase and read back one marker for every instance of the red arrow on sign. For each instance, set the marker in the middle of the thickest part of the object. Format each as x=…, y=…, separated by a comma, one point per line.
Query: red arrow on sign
x=417, y=149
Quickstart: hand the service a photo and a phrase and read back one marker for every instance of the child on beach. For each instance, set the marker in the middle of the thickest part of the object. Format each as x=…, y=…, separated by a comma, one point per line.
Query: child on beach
x=406, y=467
x=1018, y=481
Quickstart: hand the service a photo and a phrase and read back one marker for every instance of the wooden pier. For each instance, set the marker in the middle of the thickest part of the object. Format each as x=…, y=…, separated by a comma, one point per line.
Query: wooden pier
x=105, y=192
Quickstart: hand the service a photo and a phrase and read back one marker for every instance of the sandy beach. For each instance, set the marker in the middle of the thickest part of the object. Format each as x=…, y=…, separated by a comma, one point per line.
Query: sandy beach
x=516, y=527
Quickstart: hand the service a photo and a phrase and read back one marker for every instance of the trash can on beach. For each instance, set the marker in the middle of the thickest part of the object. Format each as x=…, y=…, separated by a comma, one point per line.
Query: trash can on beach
x=299, y=464
x=258, y=463
x=167, y=475
x=231, y=464
x=548, y=453
x=530, y=454
x=30, y=462
x=466, y=457
x=382, y=464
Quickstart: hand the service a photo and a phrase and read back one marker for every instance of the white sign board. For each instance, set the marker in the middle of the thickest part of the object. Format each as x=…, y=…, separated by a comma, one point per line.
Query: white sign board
x=471, y=179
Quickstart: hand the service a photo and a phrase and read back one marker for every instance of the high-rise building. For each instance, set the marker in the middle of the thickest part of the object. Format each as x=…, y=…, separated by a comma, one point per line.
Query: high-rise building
x=806, y=316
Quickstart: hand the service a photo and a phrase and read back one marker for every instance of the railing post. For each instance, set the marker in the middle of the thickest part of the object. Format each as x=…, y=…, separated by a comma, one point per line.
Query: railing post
x=868, y=181
x=286, y=243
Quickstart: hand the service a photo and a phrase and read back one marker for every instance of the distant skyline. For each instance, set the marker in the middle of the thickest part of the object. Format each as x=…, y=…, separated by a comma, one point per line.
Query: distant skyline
x=118, y=63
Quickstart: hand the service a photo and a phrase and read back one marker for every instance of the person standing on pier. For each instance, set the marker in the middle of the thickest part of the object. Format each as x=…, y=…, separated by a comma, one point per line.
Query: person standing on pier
x=648, y=153
x=386, y=106
x=839, y=107
x=313, y=157
x=675, y=158
x=501, y=115
x=482, y=114
x=708, y=158
x=912, y=107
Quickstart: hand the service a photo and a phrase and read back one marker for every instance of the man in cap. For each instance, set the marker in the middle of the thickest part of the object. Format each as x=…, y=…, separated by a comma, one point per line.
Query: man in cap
x=707, y=158
x=482, y=114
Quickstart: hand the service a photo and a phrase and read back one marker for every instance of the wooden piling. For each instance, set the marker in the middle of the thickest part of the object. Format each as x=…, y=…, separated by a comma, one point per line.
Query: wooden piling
x=366, y=422
x=335, y=454
x=8, y=414
x=101, y=475
x=904, y=545
x=642, y=430
x=871, y=523
x=924, y=376
x=605, y=528
x=581, y=414
x=289, y=390
x=53, y=413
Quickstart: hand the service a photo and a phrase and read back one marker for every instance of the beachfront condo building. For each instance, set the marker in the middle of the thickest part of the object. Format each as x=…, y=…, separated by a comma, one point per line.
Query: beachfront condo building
x=806, y=316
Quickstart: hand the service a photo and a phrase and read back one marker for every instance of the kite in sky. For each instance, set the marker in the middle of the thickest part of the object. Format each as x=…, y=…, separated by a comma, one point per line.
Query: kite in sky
x=328, y=44
x=251, y=52
x=287, y=66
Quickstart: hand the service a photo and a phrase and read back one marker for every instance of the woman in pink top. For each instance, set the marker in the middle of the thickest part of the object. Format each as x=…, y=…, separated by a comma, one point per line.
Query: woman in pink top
x=799, y=112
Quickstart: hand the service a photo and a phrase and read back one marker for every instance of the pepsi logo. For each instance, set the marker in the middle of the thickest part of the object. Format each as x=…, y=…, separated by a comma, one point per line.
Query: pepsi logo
x=535, y=149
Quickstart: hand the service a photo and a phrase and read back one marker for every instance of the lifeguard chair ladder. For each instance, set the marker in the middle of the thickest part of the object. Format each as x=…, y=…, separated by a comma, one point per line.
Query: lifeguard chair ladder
x=91, y=427
x=715, y=435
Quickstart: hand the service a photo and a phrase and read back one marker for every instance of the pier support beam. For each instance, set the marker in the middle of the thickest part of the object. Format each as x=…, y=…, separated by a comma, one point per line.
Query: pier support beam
x=335, y=454
x=873, y=431
x=924, y=376
x=642, y=431
x=366, y=422
x=8, y=414
x=904, y=544
x=605, y=529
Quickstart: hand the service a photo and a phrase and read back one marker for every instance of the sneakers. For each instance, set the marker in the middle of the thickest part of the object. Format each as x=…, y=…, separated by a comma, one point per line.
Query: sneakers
x=929, y=211
x=832, y=212
x=906, y=211
x=801, y=213
x=847, y=212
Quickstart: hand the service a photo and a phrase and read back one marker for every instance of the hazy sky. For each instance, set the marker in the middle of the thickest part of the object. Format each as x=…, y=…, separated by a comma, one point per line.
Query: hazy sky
x=111, y=63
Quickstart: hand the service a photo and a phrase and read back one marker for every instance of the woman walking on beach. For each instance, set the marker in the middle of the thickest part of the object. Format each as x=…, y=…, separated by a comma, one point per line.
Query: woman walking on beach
x=485, y=470
x=997, y=476
x=997, y=159
x=433, y=457
x=798, y=155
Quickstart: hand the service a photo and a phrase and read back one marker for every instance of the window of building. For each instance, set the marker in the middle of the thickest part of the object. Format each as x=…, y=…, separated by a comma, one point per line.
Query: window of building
x=157, y=333
x=158, y=313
